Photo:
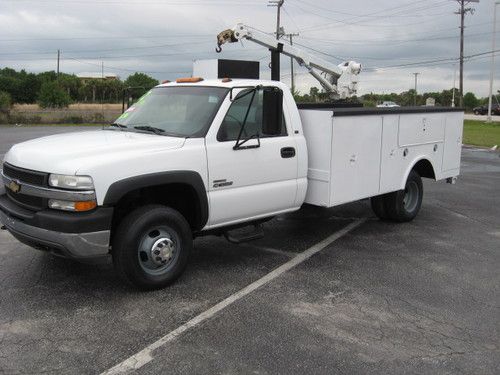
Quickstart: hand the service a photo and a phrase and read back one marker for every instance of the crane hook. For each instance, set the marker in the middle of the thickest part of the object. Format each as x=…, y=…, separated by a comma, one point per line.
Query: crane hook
x=218, y=49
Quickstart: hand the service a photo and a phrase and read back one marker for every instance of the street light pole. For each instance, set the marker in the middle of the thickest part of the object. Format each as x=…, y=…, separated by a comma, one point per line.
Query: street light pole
x=291, y=61
x=492, y=69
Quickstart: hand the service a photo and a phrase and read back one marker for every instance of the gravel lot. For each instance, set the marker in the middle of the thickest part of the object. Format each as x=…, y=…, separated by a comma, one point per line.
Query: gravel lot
x=422, y=297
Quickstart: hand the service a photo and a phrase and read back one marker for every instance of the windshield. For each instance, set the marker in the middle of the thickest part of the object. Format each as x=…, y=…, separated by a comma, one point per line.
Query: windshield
x=174, y=111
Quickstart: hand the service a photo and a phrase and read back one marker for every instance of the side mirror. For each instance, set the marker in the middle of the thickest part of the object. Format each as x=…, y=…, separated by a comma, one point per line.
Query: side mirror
x=272, y=111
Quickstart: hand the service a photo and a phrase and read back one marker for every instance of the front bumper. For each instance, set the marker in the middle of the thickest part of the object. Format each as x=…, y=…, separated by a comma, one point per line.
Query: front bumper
x=59, y=232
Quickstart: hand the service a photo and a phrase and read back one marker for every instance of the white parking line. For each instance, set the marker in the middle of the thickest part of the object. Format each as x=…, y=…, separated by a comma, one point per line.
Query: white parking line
x=145, y=356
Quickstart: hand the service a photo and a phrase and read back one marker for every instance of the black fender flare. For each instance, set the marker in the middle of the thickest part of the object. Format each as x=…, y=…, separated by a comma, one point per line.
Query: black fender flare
x=119, y=189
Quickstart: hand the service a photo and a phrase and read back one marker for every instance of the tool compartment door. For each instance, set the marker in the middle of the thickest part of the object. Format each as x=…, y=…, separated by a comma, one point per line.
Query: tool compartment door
x=355, y=164
x=453, y=143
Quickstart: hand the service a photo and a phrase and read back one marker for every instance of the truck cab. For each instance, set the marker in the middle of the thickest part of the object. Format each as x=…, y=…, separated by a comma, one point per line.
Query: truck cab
x=203, y=155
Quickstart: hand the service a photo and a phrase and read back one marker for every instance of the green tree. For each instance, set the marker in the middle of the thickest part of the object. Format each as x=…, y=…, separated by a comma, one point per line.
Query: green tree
x=52, y=95
x=5, y=102
x=142, y=81
x=71, y=84
x=470, y=101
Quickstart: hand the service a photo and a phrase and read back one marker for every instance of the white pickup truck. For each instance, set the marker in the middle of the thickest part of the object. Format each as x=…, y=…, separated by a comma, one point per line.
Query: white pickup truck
x=197, y=157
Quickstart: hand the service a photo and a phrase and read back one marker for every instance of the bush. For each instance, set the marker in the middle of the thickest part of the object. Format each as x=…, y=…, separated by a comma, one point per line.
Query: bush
x=22, y=119
x=5, y=102
x=98, y=118
x=369, y=103
x=73, y=120
x=53, y=96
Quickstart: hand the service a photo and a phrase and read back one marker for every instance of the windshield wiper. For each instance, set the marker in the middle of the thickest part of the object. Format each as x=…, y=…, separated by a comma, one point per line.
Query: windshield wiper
x=114, y=125
x=151, y=129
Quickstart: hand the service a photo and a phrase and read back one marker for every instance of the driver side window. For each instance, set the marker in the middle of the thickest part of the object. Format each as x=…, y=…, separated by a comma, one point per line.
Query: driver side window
x=235, y=117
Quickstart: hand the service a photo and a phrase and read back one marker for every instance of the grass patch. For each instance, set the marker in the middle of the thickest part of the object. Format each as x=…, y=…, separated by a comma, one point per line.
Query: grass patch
x=479, y=133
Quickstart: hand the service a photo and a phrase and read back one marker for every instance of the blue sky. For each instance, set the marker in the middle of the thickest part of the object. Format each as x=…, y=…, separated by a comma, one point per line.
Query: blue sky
x=163, y=37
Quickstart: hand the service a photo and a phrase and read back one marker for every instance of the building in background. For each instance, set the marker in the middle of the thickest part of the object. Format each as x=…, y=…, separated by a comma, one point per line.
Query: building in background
x=87, y=76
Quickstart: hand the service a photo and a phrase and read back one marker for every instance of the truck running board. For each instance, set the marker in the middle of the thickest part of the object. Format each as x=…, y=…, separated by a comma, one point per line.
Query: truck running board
x=241, y=235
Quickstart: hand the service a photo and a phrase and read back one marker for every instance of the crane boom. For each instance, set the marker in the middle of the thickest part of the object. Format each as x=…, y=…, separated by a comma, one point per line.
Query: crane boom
x=339, y=80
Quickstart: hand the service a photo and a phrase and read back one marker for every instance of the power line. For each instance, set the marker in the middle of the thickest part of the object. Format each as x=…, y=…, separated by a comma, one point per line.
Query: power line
x=349, y=21
x=177, y=36
x=423, y=63
x=140, y=2
x=101, y=50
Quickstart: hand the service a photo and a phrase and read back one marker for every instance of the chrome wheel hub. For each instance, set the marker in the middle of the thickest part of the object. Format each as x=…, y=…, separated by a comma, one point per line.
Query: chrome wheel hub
x=410, y=199
x=162, y=251
x=159, y=250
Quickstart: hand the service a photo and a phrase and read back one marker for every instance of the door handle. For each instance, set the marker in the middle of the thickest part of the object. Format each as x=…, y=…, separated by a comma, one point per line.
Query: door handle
x=287, y=152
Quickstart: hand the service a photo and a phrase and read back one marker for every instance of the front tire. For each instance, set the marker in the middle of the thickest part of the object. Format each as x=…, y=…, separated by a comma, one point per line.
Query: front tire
x=151, y=246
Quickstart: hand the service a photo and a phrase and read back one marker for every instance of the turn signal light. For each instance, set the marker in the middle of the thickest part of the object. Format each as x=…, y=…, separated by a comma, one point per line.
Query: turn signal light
x=80, y=206
x=189, y=80
x=85, y=206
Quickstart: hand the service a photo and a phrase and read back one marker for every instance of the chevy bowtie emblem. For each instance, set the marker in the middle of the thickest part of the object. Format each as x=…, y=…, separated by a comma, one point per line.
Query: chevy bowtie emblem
x=14, y=187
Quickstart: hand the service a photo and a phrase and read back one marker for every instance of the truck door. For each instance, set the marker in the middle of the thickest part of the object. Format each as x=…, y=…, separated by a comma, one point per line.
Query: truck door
x=252, y=159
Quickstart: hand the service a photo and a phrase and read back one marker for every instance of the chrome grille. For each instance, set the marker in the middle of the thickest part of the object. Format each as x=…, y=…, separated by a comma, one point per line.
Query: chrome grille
x=26, y=175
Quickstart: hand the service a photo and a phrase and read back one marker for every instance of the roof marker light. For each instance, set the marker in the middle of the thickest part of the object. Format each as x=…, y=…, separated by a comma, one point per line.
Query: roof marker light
x=189, y=80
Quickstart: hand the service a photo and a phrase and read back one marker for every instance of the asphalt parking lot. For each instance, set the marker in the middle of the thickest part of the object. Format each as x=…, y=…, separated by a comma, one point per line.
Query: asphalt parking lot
x=471, y=116
x=374, y=297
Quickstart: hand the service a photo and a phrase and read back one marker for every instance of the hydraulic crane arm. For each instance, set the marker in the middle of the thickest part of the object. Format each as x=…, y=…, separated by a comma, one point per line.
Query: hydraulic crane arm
x=339, y=80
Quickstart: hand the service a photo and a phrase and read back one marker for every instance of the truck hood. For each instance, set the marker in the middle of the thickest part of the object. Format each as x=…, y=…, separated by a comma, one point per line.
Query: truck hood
x=69, y=152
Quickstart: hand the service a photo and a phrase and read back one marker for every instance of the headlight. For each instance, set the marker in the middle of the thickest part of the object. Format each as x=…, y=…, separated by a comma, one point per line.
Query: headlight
x=71, y=182
x=72, y=206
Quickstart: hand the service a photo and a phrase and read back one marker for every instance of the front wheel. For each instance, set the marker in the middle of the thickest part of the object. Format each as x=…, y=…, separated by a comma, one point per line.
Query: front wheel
x=151, y=246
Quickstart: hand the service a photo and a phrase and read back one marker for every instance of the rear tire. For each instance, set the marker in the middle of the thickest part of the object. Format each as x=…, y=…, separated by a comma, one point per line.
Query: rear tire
x=151, y=246
x=404, y=205
x=378, y=206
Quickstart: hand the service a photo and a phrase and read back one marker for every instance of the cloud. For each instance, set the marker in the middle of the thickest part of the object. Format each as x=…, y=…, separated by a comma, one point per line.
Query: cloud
x=164, y=37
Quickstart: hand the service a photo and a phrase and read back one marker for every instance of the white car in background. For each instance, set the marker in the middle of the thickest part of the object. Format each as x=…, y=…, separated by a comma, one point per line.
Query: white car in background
x=387, y=105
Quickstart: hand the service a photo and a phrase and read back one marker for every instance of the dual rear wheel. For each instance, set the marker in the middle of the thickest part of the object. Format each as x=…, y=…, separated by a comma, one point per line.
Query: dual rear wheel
x=401, y=205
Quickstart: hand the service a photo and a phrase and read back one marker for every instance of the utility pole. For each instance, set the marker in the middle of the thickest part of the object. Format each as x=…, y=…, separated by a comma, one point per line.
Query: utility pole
x=492, y=69
x=462, y=12
x=278, y=4
x=291, y=61
x=58, y=58
x=454, y=84
x=275, y=53
x=415, y=99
